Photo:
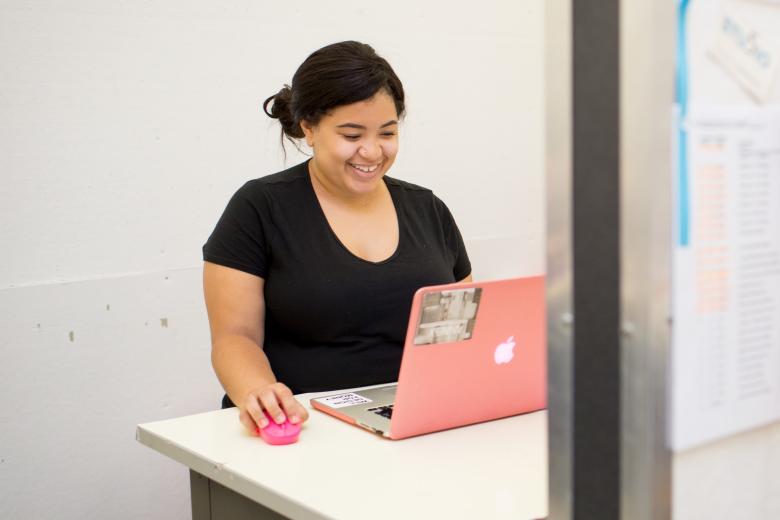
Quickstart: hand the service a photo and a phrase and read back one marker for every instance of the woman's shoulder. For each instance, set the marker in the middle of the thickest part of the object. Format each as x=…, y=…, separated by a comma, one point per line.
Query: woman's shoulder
x=279, y=180
x=264, y=195
x=406, y=186
x=416, y=194
x=413, y=194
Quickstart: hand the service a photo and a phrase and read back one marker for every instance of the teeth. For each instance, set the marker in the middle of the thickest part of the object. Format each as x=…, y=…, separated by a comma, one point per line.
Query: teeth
x=367, y=169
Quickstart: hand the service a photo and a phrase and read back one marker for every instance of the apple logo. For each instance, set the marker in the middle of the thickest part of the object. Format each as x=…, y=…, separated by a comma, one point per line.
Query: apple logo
x=504, y=352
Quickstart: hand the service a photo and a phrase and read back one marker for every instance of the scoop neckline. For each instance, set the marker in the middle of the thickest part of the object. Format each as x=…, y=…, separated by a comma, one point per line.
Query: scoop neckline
x=333, y=234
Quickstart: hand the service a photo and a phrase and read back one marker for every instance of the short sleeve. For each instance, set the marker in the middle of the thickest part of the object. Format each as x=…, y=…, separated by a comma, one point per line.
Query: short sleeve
x=461, y=264
x=239, y=239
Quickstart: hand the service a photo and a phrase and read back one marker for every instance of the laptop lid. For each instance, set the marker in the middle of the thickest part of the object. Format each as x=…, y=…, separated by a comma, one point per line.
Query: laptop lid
x=474, y=352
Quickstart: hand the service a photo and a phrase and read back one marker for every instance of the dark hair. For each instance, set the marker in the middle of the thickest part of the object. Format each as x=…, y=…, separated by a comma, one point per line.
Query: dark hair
x=338, y=74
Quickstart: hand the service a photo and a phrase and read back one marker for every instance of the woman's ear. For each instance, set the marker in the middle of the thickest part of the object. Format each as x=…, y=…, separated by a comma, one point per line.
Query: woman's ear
x=308, y=132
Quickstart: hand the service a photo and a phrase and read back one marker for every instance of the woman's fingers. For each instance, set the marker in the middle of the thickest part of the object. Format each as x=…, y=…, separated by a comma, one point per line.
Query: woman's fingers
x=287, y=403
x=270, y=399
x=248, y=422
x=254, y=409
x=278, y=402
x=295, y=411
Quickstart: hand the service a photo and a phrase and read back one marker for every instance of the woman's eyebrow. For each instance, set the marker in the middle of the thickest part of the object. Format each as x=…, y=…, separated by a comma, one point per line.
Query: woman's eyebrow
x=361, y=127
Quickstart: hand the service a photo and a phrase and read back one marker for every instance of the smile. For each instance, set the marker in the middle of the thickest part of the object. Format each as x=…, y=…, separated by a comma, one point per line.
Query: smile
x=365, y=168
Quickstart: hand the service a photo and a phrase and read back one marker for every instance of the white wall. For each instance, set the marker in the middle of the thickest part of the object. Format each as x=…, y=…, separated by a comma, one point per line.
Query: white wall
x=737, y=477
x=125, y=127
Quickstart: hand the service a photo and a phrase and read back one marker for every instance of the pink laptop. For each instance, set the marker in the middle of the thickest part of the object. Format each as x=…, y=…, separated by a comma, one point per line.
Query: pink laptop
x=474, y=352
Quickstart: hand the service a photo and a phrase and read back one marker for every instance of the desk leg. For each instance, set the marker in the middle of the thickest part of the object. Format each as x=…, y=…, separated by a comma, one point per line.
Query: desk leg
x=213, y=501
x=200, y=496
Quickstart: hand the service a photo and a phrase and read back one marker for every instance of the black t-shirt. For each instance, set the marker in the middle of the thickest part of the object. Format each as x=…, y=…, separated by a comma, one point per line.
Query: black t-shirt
x=333, y=320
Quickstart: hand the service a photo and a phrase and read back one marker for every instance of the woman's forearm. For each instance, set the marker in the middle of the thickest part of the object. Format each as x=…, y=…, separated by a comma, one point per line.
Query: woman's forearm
x=241, y=366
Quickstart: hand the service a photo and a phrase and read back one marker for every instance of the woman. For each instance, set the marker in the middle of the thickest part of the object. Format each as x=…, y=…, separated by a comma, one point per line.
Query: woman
x=310, y=272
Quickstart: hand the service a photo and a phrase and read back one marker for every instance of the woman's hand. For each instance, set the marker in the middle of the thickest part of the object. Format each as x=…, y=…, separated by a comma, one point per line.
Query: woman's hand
x=277, y=400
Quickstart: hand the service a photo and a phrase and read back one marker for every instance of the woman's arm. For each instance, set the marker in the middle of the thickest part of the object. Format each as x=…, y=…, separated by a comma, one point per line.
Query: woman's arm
x=236, y=310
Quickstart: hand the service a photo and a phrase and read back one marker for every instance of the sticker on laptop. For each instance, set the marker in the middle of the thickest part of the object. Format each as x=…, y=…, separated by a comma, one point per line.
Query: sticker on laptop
x=342, y=400
x=448, y=316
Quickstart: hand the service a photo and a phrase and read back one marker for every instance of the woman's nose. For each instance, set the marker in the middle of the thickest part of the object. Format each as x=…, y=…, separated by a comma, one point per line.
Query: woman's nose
x=371, y=149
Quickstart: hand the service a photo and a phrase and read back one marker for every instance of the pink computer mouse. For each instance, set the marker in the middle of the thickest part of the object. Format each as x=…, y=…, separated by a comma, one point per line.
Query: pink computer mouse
x=277, y=434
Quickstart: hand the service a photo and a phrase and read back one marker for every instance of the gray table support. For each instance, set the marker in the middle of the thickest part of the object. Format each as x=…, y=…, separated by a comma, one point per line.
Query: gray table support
x=213, y=501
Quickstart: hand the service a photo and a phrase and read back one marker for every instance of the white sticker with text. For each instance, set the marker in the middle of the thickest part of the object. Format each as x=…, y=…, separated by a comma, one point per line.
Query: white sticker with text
x=342, y=400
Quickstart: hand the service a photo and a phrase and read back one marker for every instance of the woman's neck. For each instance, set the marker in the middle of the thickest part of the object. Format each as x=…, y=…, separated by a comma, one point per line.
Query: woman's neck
x=324, y=187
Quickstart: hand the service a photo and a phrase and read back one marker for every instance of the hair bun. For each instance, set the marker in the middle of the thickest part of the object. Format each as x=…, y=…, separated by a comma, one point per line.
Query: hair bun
x=336, y=75
x=281, y=109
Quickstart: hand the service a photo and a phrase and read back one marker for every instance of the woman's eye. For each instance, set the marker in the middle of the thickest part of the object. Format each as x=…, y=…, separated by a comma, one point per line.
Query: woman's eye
x=352, y=137
x=388, y=134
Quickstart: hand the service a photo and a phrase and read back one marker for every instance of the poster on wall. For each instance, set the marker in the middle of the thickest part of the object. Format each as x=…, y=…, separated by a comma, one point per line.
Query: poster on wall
x=725, y=371
x=747, y=46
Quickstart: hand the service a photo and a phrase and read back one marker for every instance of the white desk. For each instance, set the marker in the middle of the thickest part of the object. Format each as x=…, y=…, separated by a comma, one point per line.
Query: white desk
x=495, y=470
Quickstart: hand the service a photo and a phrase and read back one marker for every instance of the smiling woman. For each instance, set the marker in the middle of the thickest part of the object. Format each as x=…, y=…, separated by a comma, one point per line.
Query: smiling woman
x=358, y=142
x=310, y=272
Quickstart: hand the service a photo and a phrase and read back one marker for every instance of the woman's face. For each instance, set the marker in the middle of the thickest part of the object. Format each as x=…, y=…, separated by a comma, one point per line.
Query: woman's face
x=355, y=145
